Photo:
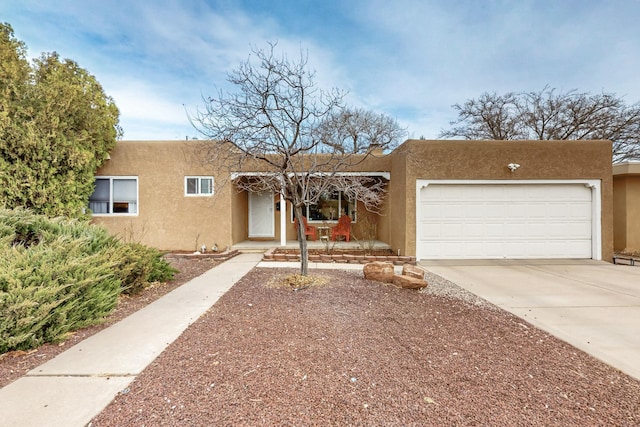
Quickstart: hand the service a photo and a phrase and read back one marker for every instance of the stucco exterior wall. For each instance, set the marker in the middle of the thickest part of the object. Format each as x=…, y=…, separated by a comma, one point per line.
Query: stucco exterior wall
x=397, y=214
x=167, y=219
x=240, y=215
x=488, y=160
x=626, y=196
x=619, y=213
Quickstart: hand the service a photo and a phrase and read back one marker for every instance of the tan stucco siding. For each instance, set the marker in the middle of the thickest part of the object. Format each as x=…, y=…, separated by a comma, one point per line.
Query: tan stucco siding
x=396, y=209
x=167, y=219
x=633, y=213
x=488, y=160
x=626, y=192
x=239, y=215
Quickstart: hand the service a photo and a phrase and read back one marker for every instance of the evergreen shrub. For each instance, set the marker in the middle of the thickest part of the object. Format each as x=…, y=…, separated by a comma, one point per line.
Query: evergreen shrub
x=58, y=275
x=140, y=266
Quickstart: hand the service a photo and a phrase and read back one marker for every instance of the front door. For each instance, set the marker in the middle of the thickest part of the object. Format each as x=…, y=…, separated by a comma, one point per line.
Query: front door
x=261, y=215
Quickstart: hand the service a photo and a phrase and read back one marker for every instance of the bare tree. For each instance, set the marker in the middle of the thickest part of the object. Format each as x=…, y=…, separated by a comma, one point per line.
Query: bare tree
x=491, y=116
x=356, y=131
x=551, y=115
x=300, y=139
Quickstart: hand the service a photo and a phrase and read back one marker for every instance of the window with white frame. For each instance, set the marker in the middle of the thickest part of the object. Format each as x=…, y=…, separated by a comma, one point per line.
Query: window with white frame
x=330, y=207
x=198, y=185
x=115, y=195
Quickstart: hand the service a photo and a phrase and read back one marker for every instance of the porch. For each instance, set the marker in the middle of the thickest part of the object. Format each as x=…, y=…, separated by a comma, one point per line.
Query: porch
x=260, y=246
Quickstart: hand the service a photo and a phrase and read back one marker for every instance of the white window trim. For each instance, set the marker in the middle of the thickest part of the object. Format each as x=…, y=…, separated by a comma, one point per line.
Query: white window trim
x=596, y=204
x=111, y=178
x=199, y=178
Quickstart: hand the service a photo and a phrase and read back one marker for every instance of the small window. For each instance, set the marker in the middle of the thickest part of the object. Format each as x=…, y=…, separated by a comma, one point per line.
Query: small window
x=198, y=185
x=114, y=195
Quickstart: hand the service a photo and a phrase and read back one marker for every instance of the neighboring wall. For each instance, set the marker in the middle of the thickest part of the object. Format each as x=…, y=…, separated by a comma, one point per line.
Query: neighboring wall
x=487, y=160
x=167, y=219
x=626, y=199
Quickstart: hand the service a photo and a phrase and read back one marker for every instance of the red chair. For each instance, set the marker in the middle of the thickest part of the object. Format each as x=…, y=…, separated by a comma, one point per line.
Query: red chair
x=309, y=230
x=343, y=228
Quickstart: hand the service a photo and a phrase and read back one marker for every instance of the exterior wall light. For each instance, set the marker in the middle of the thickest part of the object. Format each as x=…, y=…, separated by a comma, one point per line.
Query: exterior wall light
x=513, y=166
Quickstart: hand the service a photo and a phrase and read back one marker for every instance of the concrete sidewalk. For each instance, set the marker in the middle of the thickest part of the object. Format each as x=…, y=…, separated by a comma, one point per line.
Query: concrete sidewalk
x=592, y=305
x=78, y=384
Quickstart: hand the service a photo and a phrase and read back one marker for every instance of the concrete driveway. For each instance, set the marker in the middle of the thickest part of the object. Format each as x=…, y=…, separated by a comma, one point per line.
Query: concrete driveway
x=592, y=305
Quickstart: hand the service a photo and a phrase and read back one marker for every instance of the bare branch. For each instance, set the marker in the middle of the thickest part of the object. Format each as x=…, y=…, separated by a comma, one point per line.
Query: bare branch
x=551, y=115
x=293, y=136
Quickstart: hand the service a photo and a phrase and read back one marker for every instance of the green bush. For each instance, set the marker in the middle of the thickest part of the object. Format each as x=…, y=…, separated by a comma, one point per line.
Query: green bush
x=44, y=294
x=58, y=275
x=140, y=265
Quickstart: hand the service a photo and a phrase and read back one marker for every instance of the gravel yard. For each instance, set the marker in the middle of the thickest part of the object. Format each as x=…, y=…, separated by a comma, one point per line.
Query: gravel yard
x=15, y=364
x=354, y=352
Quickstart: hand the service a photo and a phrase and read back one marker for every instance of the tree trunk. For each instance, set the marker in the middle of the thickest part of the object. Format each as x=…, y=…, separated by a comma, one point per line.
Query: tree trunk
x=302, y=240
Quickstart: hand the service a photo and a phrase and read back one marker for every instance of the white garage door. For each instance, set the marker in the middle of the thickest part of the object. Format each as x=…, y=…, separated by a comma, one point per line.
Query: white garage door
x=482, y=221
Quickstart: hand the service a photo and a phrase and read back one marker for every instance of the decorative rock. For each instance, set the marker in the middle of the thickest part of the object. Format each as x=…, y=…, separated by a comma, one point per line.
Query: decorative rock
x=409, y=282
x=413, y=271
x=378, y=270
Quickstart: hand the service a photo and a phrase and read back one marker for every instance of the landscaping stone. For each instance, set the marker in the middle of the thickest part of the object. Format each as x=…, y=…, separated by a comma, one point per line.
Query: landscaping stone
x=222, y=256
x=274, y=254
x=408, y=282
x=378, y=270
x=413, y=271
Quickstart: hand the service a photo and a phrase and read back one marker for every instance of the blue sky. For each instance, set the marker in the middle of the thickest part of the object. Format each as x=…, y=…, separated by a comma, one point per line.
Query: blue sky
x=410, y=59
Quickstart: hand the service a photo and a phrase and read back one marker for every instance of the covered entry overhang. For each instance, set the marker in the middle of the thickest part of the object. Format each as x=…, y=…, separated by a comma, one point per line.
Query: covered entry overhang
x=515, y=219
x=261, y=212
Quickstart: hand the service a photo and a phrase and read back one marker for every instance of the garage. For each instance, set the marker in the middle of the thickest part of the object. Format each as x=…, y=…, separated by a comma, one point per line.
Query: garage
x=507, y=220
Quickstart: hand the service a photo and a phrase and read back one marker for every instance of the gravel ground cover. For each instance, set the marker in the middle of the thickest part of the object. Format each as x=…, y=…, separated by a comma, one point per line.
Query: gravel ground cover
x=349, y=351
x=16, y=364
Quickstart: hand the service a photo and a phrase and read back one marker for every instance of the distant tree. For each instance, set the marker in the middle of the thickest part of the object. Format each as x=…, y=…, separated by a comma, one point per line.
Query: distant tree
x=302, y=137
x=551, y=115
x=356, y=131
x=57, y=127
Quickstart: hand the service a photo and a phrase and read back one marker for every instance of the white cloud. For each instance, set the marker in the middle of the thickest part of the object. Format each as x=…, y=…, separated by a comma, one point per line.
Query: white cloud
x=409, y=58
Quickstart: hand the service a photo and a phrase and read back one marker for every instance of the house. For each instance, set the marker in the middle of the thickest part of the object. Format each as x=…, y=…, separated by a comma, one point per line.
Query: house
x=626, y=206
x=445, y=200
